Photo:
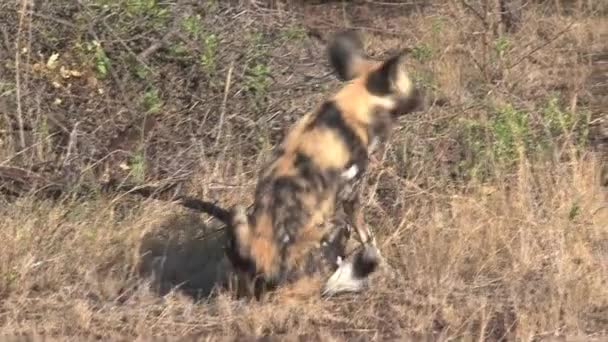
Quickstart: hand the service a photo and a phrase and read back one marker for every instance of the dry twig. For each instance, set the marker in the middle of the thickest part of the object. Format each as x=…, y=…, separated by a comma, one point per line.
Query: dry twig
x=224, y=101
x=540, y=46
x=22, y=14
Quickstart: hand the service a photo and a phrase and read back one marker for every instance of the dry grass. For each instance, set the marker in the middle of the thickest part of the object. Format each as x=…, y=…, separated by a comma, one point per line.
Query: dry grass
x=526, y=259
x=491, y=209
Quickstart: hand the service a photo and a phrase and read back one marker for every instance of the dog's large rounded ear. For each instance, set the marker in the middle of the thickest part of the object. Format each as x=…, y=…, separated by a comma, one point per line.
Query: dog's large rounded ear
x=347, y=56
x=391, y=78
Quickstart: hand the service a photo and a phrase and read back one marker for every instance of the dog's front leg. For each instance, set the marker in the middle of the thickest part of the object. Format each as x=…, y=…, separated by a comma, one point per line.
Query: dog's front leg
x=356, y=219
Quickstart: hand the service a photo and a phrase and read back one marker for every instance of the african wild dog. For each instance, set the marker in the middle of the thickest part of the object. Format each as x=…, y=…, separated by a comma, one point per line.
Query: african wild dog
x=315, y=173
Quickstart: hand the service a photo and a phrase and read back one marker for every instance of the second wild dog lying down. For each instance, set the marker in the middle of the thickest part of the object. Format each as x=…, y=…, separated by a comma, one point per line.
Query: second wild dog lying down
x=315, y=173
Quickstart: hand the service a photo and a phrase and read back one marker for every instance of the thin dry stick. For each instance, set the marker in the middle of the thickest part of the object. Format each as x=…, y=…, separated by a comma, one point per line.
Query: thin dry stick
x=223, y=112
x=71, y=145
x=394, y=4
x=158, y=44
x=18, y=73
x=477, y=13
x=50, y=18
x=155, y=46
x=28, y=148
x=28, y=54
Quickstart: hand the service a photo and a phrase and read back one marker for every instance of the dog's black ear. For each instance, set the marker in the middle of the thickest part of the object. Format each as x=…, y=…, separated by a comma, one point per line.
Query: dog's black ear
x=390, y=78
x=346, y=55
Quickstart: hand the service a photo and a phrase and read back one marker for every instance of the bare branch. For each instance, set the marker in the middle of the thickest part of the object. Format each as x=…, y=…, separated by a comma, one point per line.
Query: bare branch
x=477, y=14
x=22, y=14
x=225, y=100
x=541, y=46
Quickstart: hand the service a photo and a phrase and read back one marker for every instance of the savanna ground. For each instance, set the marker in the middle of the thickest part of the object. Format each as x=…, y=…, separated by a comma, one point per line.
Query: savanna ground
x=492, y=207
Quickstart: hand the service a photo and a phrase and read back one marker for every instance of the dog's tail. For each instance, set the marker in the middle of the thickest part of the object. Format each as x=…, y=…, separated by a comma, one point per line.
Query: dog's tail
x=224, y=215
x=235, y=218
x=237, y=228
x=160, y=193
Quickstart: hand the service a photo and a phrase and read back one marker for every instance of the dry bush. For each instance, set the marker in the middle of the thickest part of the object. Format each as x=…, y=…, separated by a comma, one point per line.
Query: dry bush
x=491, y=208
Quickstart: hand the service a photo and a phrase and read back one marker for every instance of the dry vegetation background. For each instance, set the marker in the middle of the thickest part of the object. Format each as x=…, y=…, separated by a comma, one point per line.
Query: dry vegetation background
x=493, y=208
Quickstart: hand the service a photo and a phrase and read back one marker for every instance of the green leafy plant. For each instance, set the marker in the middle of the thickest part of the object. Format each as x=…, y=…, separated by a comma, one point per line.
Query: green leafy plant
x=422, y=52
x=574, y=212
x=209, y=50
x=565, y=123
x=294, y=33
x=437, y=25
x=149, y=8
x=137, y=165
x=101, y=61
x=501, y=45
x=151, y=101
x=258, y=73
x=211, y=5
x=557, y=120
x=258, y=79
x=192, y=24
x=475, y=154
x=511, y=131
x=141, y=70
